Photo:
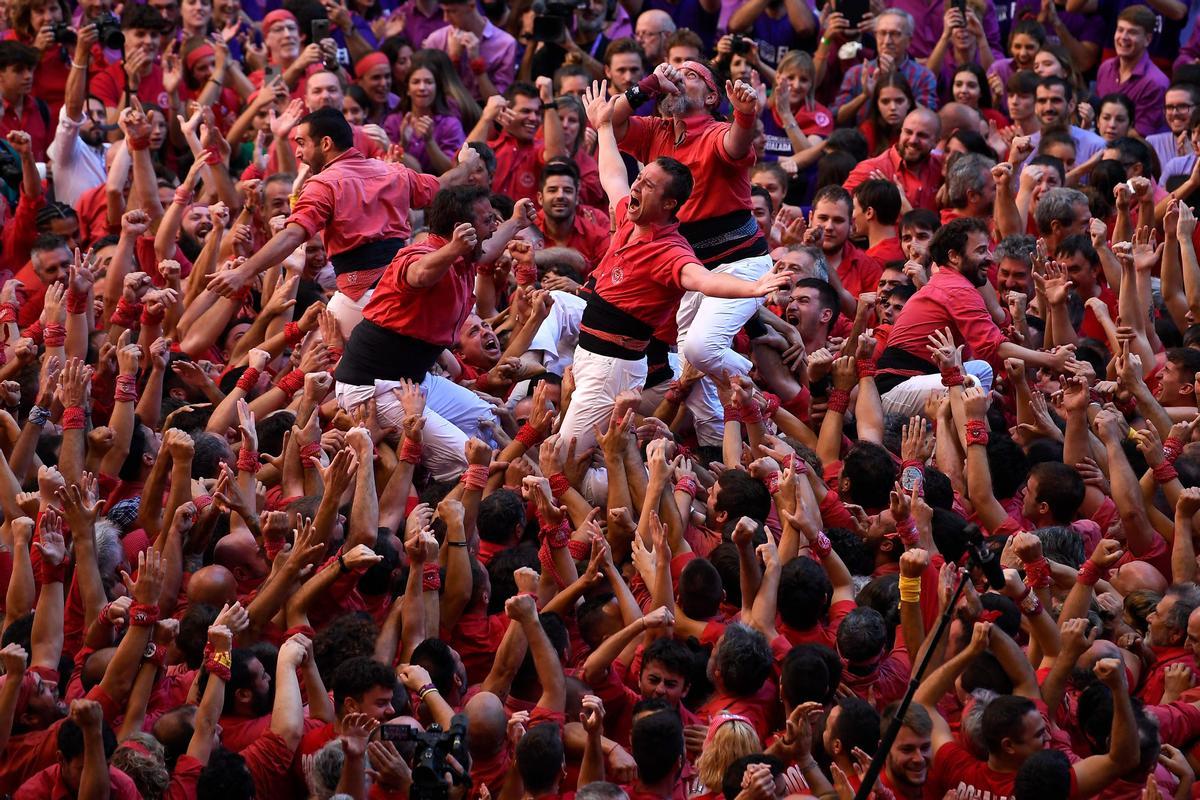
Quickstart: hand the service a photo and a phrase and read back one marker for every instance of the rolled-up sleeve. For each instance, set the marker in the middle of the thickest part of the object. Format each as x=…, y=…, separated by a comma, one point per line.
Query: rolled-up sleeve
x=975, y=324
x=314, y=207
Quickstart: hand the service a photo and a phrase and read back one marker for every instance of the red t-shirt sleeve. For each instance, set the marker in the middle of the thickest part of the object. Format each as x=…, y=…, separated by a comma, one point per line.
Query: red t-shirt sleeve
x=268, y=758
x=636, y=141
x=313, y=208
x=422, y=188
x=718, y=132
x=975, y=324
x=184, y=779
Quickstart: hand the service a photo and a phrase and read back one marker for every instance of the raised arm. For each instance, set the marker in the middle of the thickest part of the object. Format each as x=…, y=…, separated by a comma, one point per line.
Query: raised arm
x=601, y=112
x=1096, y=772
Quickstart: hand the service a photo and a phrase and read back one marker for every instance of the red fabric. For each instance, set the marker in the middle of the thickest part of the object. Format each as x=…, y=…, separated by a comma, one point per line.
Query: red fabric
x=884, y=684
x=355, y=200
x=92, y=208
x=433, y=314
x=270, y=763
x=859, y=271
x=589, y=235
x=490, y=771
x=109, y=83
x=16, y=244
x=955, y=766
x=1154, y=682
x=476, y=637
x=363, y=143
x=518, y=166
x=28, y=118
x=48, y=785
x=759, y=709
x=1091, y=327
x=641, y=276
x=887, y=250
x=184, y=779
x=948, y=300
x=238, y=733
x=147, y=260
x=920, y=186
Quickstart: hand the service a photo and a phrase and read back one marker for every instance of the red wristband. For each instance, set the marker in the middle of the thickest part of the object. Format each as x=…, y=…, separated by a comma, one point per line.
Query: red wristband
x=1037, y=573
x=475, y=477
x=143, y=614
x=431, y=577
x=183, y=196
x=127, y=314
x=559, y=485
x=217, y=669
x=1089, y=573
x=977, y=433
x=1172, y=447
x=310, y=454
x=73, y=418
x=77, y=302
x=55, y=335
x=478, y=65
x=952, y=377
x=688, y=485
x=52, y=573
x=839, y=401
x=822, y=547
x=127, y=390
x=8, y=313
x=866, y=369
x=744, y=120
x=529, y=436
x=202, y=502
x=907, y=530
x=248, y=379
x=752, y=413
x=292, y=333
x=733, y=413
x=771, y=406
x=410, y=451
x=291, y=383
x=1164, y=472
x=247, y=461
x=772, y=482
x=556, y=536
x=150, y=319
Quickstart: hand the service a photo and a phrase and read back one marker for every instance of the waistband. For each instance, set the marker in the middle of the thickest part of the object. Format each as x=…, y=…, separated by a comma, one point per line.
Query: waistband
x=371, y=255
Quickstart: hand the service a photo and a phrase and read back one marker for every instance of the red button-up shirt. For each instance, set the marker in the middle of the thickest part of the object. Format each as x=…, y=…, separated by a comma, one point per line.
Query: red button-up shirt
x=48, y=785
x=859, y=272
x=920, y=184
x=947, y=301
x=518, y=166
x=431, y=314
x=26, y=115
x=355, y=200
x=589, y=234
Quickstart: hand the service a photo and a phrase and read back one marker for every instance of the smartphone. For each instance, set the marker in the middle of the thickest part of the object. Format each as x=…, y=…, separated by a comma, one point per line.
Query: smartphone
x=549, y=28
x=961, y=5
x=270, y=74
x=320, y=30
x=854, y=11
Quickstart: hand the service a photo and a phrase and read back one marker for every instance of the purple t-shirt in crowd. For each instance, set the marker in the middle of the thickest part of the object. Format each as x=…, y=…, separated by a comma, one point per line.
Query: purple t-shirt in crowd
x=929, y=20
x=1164, y=45
x=1146, y=87
x=1089, y=28
x=689, y=14
x=775, y=38
x=417, y=26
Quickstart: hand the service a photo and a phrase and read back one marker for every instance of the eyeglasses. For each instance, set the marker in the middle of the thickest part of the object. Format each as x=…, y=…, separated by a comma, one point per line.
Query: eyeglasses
x=1180, y=107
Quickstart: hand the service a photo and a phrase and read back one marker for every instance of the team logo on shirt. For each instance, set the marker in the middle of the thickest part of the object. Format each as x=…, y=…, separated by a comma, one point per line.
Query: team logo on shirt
x=821, y=119
x=618, y=274
x=527, y=179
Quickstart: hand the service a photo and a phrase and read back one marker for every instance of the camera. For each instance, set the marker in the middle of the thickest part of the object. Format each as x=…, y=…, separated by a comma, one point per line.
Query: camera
x=63, y=34
x=741, y=44
x=552, y=20
x=108, y=28
x=430, y=750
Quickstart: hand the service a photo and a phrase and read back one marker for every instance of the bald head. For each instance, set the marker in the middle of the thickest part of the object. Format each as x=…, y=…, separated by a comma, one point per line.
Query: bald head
x=918, y=135
x=653, y=28
x=955, y=117
x=487, y=724
x=213, y=585
x=239, y=553
x=1134, y=575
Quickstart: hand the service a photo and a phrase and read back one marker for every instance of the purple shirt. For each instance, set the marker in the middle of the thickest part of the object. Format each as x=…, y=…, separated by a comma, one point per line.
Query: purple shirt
x=1089, y=28
x=923, y=84
x=1190, y=52
x=1165, y=148
x=775, y=37
x=497, y=49
x=929, y=20
x=1180, y=165
x=691, y=15
x=1146, y=87
x=417, y=26
x=447, y=135
x=1087, y=144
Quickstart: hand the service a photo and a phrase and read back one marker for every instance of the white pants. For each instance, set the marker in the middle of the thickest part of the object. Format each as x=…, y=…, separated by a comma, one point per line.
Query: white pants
x=556, y=337
x=348, y=312
x=452, y=415
x=908, y=399
x=707, y=326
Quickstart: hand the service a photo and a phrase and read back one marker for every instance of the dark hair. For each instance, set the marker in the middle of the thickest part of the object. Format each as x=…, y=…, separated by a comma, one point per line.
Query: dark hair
x=331, y=123
x=885, y=134
x=679, y=187
x=921, y=219
x=1006, y=461
x=805, y=674
x=626, y=44
x=70, y=740
x=354, y=677
x=1135, y=151
x=540, y=757
x=744, y=659
x=1029, y=27
x=758, y=191
x=700, y=589
x=951, y=237
x=1004, y=718
x=1080, y=243
x=1120, y=99
x=500, y=573
x=225, y=777
x=869, y=467
x=882, y=196
x=452, y=206
x=857, y=725
x=143, y=17
x=1044, y=776
x=522, y=89
x=657, y=745
x=1054, y=162
x=436, y=657
x=739, y=495
x=45, y=242
x=826, y=294
x=1023, y=81
x=985, y=91
x=804, y=593
x=1061, y=488
x=862, y=635
x=725, y=559
x=1050, y=81
x=193, y=632
x=1141, y=16
x=562, y=168
x=834, y=194
x=501, y=516
x=674, y=656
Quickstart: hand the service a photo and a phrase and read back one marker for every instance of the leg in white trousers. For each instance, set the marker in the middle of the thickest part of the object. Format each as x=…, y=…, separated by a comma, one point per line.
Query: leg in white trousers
x=598, y=381
x=908, y=398
x=348, y=312
x=452, y=415
x=707, y=326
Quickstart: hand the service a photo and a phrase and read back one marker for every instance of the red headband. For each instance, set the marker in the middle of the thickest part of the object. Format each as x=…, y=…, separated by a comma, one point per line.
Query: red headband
x=369, y=62
x=719, y=720
x=278, y=15
x=203, y=51
x=704, y=72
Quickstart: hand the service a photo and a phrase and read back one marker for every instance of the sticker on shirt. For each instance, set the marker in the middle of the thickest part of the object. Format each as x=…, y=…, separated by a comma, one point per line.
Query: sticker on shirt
x=821, y=119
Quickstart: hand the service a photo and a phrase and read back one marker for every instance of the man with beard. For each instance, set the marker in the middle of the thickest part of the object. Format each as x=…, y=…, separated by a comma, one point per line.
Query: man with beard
x=653, y=28
x=360, y=205
x=950, y=300
x=910, y=162
x=563, y=222
x=520, y=154
x=76, y=155
x=139, y=69
x=323, y=89
x=970, y=189
x=907, y=765
x=716, y=220
x=1054, y=103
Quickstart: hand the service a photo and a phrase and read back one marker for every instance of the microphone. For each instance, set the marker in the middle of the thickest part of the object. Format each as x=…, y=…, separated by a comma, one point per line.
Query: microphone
x=984, y=557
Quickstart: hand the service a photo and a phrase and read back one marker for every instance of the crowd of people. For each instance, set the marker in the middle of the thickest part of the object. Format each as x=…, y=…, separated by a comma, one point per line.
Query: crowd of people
x=628, y=400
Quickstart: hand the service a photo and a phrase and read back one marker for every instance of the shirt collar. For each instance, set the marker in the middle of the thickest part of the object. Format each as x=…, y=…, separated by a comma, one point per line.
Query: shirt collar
x=345, y=155
x=489, y=30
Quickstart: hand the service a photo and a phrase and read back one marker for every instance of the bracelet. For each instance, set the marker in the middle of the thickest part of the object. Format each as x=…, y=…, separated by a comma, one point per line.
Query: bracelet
x=952, y=377
x=157, y=655
x=688, y=485
x=976, y=432
x=55, y=335
x=1030, y=605
x=127, y=314
x=743, y=120
x=310, y=455
x=247, y=461
x=648, y=87
x=529, y=436
x=291, y=383
x=772, y=482
x=1089, y=573
x=839, y=401
x=907, y=530
x=142, y=615
x=248, y=379
x=866, y=369
x=51, y=573
x=8, y=313
x=218, y=664
x=77, y=302
x=733, y=413
x=527, y=275
x=1164, y=472
x=1172, y=447
x=39, y=416
x=116, y=623
x=476, y=477
x=292, y=333
x=126, y=391
x=431, y=577
x=556, y=536
x=141, y=142
x=427, y=689
x=772, y=405
x=202, y=502
x=184, y=196
x=822, y=546
x=151, y=318
x=559, y=485
x=75, y=65
x=410, y=451
x=910, y=590
x=1037, y=573
x=477, y=65
x=73, y=418
x=342, y=568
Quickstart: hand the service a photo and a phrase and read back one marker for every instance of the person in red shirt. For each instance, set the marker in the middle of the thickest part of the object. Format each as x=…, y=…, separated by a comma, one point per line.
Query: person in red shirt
x=49, y=262
x=851, y=271
x=907, y=767
x=143, y=28
x=1082, y=262
x=20, y=108
x=520, y=155
x=416, y=312
x=876, y=212
x=85, y=744
x=564, y=222
x=638, y=285
x=910, y=161
x=970, y=188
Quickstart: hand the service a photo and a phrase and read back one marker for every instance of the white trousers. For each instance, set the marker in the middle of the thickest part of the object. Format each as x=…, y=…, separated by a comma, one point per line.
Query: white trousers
x=908, y=399
x=348, y=312
x=452, y=415
x=707, y=326
x=557, y=335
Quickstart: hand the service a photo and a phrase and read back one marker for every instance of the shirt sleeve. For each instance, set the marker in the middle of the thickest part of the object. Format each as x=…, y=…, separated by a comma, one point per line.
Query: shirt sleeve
x=105, y=88
x=991, y=29
x=636, y=141
x=505, y=71
x=314, y=207
x=422, y=187
x=448, y=133
x=926, y=88
x=978, y=329
x=268, y=758
x=859, y=174
x=61, y=151
x=850, y=88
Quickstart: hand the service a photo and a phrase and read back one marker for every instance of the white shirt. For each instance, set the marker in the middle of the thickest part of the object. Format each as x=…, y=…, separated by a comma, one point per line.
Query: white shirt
x=76, y=165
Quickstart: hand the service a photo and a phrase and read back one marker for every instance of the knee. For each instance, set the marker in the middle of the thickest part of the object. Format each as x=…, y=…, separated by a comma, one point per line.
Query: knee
x=702, y=351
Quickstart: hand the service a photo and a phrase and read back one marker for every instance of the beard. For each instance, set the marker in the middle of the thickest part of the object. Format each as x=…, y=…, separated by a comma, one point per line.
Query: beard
x=976, y=273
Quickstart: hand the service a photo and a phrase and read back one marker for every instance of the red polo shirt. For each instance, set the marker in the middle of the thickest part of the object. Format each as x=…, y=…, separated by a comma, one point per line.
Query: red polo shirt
x=859, y=271
x=48, y=785
x=589, y=234
x=640, y=274
x=109, y=83
x=92, y=208
x=433, y=314
x=476, y=638
x=27, y=115
x=887, y=250
x=920, y=184
x=362, y=142
x=518, y=166
x=355, y=200
x=721, y=183
x=948, y=300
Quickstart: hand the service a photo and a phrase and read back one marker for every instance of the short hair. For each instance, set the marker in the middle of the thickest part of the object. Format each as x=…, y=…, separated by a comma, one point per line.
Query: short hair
x=523, y=89
x=869, y=467
x=680, y=185
x=539, y=757
x=907, y=18
x=1055, y=163
x=882, y=196
x=1141, y=16
x=70, y=740
x=570, y=71
x=1057, y=205
x=225, y=777
x=683, y=37
x=1004, y=718
x=354, y=677
x=1053, y=136
x=601, y=790
x=436, y=656
x=1187, y=359
x=1022, y=82
x=486, y=154
x=657, y=744
x=916, y=718
x=1080, y=243
x=143, y=17
x=626, y=44
x=501, y=516
x=1136, y=151
x=1061, y=488
x=1017, y=247
x=857, y=726
x=825, y=293
x=862, y=635
x=970, y=172
x=833, y=194
x=559, y=167
x=805, y=674
x=739, y=495
x=700, y=589
x=744, y=659
x=921, y=219
x=1045, y=775
x=452, y=206
x=758, y=191
x=951, y=237
x=1029, y=27
x=673, y=655
x=14, y=53
x=46, y=242
x=1050, y=81
x=329, y=122
x=804, y=593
